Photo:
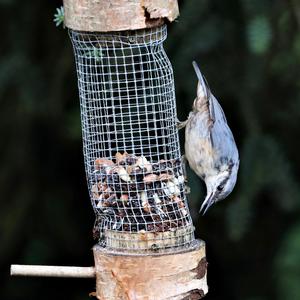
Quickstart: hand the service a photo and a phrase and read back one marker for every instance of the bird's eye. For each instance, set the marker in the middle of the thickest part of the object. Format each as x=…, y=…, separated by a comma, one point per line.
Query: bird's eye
x=220, y=187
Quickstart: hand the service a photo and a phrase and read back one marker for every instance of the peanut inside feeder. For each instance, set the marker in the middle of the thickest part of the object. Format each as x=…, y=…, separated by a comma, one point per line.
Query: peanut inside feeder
x=131, y=146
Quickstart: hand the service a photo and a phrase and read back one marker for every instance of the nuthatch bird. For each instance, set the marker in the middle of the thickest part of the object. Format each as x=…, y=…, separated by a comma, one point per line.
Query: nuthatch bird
x=209, y=145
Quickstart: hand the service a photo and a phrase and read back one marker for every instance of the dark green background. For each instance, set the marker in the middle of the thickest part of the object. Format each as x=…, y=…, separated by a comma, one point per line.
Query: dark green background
x=250, y=53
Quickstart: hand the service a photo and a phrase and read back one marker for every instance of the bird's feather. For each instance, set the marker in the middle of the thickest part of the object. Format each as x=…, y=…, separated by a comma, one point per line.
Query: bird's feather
x=222, y=136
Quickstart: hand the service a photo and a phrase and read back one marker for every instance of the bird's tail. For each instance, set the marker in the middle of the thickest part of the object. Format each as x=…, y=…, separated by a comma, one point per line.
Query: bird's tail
x=198, y=72
x=203, y=91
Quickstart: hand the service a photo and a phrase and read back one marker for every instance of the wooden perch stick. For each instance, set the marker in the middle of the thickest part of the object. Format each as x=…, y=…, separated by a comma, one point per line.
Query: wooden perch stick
x=52, y=271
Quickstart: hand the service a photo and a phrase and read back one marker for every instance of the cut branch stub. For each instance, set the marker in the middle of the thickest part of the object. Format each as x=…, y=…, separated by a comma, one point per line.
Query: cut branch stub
x=117, y=15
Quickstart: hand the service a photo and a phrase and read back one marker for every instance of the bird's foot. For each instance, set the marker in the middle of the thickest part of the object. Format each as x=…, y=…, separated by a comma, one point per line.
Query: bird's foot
x=180, y=124
x=187, y=190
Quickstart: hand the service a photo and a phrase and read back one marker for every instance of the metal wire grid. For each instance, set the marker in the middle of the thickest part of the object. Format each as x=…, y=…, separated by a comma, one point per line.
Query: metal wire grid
x=131, y=146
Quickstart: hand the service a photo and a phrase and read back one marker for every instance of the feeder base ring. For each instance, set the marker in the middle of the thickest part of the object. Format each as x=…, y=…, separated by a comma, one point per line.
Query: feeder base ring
x=149, y=241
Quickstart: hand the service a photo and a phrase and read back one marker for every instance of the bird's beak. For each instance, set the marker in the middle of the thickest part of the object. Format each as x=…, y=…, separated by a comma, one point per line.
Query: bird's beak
x=208, y=202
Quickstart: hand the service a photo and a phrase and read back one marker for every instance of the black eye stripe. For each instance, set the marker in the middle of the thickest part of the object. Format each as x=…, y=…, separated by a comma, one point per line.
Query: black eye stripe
x=221, y=185
x=220, y=188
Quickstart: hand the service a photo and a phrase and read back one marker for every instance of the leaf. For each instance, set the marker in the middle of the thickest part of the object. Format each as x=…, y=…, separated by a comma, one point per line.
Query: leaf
x=59, y=17
x=259, y=35
x=93, y=52
x=256, y=6
x=287, y=265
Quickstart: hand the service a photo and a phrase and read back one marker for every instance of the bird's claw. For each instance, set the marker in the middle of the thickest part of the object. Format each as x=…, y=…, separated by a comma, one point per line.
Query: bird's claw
x=180, y=124
x=187, y=189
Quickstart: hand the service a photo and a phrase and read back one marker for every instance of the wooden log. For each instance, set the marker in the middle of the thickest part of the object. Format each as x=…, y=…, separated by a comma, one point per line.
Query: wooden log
x=117, y=15
x=179, y=275
x=52, y=271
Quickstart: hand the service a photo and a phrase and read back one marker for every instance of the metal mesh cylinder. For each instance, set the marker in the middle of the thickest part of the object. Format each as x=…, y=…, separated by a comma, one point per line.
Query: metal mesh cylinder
x=131, y=147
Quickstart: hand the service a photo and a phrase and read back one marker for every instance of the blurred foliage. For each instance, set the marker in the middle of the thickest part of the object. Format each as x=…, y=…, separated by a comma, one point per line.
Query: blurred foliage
x=249, y=51
x=287, y=267
x=259, y=34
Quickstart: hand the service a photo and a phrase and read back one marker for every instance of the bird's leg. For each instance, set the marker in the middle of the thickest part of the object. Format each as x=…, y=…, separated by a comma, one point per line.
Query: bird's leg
x=184, y=160
x=180, y=124
x=187, y=189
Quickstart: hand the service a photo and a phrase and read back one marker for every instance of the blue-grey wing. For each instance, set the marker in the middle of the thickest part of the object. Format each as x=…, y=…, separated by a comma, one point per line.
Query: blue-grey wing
x=221, y=136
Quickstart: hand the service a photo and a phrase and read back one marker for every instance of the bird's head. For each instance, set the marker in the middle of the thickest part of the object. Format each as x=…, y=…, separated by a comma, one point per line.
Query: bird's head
x=219, y=185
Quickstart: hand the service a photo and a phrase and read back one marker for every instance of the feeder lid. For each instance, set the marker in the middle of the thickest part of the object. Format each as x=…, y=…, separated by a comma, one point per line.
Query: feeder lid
x=118, y=15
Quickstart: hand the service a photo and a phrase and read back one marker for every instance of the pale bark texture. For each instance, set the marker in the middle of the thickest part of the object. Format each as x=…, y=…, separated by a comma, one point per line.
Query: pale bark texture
x=161, y=276
x=117, y=15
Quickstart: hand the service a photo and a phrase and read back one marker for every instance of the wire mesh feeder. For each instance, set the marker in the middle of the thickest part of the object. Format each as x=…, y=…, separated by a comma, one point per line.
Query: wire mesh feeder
x=131, y=146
